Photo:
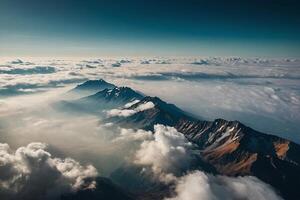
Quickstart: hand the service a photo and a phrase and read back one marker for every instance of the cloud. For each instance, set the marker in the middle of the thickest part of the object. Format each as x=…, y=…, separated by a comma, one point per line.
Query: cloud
x=132, y=135
x=144, y=106
x=17, y=61
x=199, y=76
x=125, y=61
x=166, y=154
x=198, y=185
x=163, y=62
x=97, y=61
x=266, y=104
x=116, y=64
x=131, y=103
x=201, y=62
x=19, y=87
x=150, y=77
x=128, y=112
x=145, y=62
x=91, y=66
x=120, y=113
x=31, y=172
x=26, y=71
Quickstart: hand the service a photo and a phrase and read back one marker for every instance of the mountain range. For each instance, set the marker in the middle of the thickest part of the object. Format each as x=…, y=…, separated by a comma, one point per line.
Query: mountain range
x=227, y=147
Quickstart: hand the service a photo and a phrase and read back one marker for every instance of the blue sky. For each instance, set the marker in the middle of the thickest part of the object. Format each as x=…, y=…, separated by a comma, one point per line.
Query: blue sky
x=157, y=28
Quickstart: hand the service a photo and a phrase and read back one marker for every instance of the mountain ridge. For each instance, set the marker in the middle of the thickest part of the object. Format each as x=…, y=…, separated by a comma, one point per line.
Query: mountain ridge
x=229, y=147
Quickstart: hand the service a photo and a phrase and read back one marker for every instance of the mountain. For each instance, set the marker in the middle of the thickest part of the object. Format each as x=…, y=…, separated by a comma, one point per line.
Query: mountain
x=234, y=149
x=116, y=95
x=91, y=86
x=161, y=113
x=225, y=147
x=103, y=100
x=229, y=147
x=109, y=98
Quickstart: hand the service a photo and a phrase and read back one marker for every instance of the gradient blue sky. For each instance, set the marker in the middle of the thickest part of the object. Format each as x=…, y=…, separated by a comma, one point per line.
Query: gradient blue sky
x=90, y=28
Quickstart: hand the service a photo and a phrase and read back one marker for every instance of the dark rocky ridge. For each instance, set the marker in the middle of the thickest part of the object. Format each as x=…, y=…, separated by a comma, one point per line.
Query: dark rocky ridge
x=230, y=147
x=97, y=102
x=115, y=95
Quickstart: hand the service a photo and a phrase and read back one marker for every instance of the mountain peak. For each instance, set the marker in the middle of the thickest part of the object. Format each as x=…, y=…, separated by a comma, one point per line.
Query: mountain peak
x=116, y=95
x=161, y=113
x=121, y=91
x=96, y=85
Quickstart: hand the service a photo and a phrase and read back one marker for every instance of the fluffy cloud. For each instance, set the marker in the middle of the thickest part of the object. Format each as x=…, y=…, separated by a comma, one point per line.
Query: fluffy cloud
x=128, y=112
x=31, y=172
x=198, y=185
x=120, y=113
x=127, y=105
x=166, y=154
x=132, y=135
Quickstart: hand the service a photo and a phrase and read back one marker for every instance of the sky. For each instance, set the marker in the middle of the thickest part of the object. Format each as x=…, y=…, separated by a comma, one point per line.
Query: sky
x=90, y=28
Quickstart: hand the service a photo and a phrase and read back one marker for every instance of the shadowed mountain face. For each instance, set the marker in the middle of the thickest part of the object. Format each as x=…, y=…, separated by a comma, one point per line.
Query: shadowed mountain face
x=161, y=113
x=117, y=95
x=225, y=147
x=108, y=98
x=235, y=149
x=102, y=100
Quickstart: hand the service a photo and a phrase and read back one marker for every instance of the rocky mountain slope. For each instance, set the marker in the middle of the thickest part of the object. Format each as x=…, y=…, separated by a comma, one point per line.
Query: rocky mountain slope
x=230, y=147
x=227, y=147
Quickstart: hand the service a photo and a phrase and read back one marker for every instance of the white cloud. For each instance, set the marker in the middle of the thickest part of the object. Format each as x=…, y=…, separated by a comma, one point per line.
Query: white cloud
x=32, y=171
x=167, y=153
x=120, y=113
x=128, y=112
x=131, y=103
x=198, y=185
x=145, y=106
x=132, y=135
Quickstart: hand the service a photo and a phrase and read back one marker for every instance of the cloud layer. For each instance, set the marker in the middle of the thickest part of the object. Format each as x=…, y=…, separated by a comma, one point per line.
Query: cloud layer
x=261, y=92
x=29, y=71
x=198, y=185
x=31, y=172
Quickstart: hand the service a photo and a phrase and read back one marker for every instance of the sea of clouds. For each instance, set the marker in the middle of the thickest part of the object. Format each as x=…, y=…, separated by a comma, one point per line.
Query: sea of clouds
x=69, y=151
x=262, y=93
